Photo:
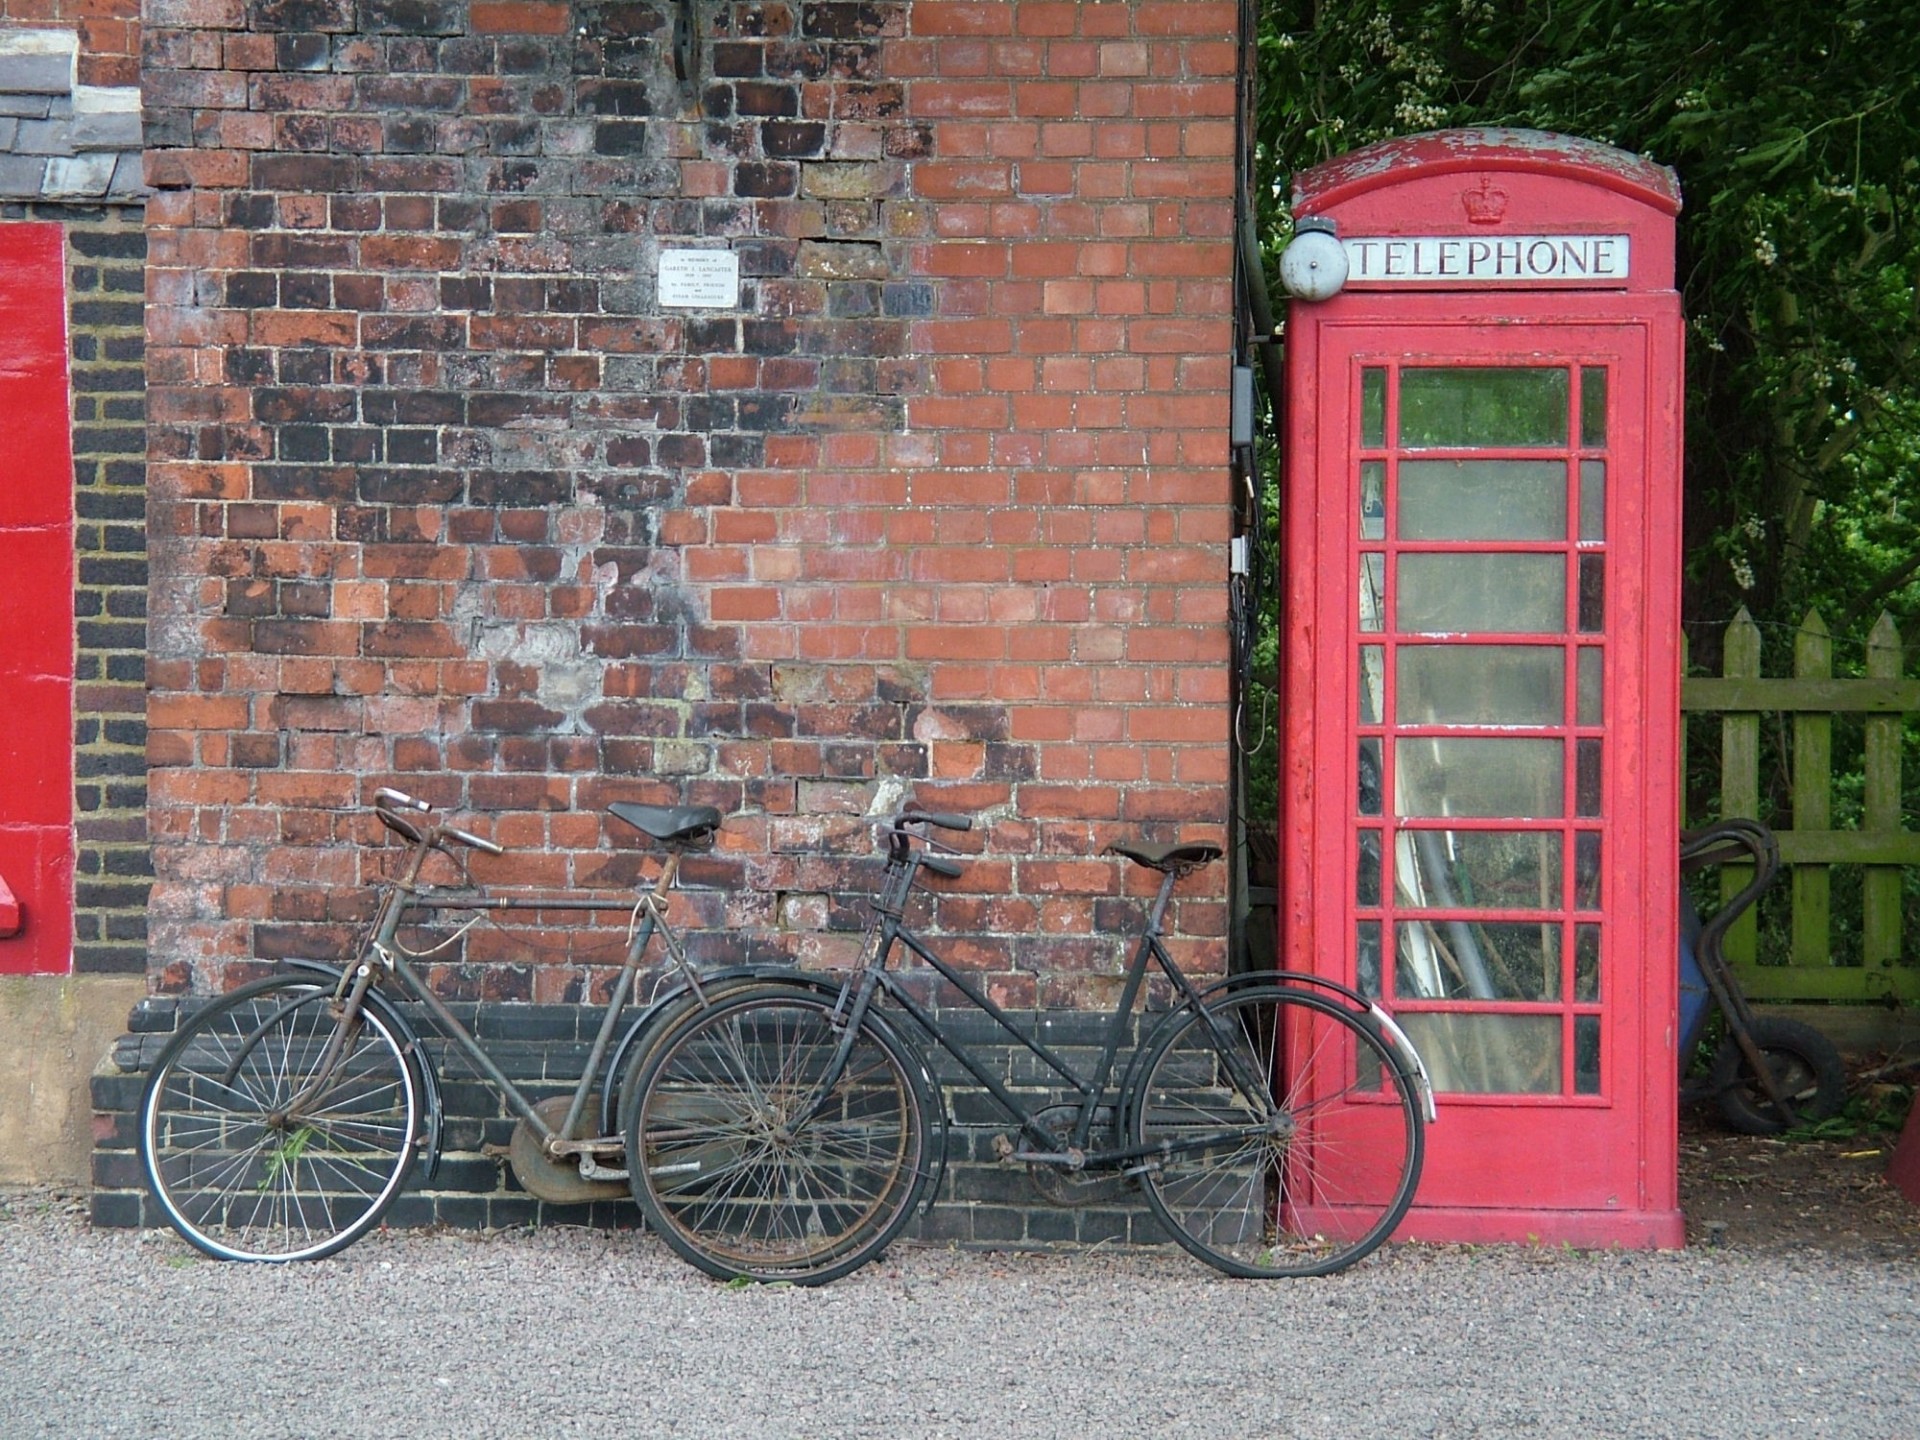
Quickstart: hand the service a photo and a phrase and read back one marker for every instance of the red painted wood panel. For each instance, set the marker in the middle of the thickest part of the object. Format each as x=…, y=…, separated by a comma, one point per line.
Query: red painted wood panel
x=36, y=603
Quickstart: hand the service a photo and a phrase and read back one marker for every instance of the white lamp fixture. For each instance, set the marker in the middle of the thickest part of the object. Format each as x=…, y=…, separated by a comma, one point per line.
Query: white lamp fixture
x=1314, y=264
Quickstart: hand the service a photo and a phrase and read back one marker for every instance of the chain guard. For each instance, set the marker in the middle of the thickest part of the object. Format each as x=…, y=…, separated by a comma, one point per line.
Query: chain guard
x=558, y=1182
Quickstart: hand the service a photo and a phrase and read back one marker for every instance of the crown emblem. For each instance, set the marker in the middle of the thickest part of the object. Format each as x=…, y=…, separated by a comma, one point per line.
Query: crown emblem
x=1487, y=205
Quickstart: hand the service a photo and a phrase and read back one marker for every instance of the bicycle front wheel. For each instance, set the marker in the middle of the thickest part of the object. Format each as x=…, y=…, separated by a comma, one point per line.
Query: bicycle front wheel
x=756, y=1150
x=256, y=1148
x=1284, y=1136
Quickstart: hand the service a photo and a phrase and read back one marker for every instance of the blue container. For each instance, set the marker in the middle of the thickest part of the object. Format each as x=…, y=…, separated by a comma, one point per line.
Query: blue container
x=1694, y=995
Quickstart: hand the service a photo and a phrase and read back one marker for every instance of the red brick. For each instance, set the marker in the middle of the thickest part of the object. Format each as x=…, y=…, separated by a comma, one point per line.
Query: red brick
x=964, y=17
x=519, y=17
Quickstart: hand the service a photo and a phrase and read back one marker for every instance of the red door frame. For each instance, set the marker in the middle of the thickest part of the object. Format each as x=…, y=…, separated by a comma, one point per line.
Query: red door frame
x=36, y=605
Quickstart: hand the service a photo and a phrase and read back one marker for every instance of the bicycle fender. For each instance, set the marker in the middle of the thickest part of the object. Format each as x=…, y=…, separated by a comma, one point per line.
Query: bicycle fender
x=1384, y=1024
x=615, y=1074
x=433, y=1122
x=1389, y=1029
x=614, y=1077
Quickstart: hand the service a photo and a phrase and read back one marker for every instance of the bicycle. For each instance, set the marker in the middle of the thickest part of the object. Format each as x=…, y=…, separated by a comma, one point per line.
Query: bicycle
x=781, y=1132
x=280, y=1122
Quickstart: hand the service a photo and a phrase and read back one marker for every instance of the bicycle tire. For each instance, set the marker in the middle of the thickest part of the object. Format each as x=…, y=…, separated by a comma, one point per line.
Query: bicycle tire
x=734, y=1178
x=1301, y=1169
x=236, y=1177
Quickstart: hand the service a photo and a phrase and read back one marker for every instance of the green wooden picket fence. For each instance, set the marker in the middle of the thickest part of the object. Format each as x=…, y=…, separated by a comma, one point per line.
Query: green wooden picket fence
x=1881, y=965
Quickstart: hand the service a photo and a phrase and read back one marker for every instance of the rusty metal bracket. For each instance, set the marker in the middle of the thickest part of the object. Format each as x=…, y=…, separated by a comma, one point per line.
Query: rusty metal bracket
x=686, y=43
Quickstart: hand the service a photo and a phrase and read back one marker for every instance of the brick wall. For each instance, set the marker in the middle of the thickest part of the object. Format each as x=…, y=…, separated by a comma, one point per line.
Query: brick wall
x=107, y=248
x=444, y=496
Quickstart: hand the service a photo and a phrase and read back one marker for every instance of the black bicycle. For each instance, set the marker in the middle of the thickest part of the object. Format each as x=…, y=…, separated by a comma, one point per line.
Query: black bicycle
x=786, y=1131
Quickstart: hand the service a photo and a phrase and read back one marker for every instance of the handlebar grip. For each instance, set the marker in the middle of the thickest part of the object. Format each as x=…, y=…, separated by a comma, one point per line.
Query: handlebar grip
x=945, y=822
x=939, y=866
x=474, y=840
x=388, y=796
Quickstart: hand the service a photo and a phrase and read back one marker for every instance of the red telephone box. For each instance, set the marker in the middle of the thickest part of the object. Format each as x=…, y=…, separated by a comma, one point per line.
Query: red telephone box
x=1482, y=549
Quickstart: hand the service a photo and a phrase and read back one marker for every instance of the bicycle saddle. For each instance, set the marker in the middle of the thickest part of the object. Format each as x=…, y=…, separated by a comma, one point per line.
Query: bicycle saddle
x=1168, y=857
x=674, y=824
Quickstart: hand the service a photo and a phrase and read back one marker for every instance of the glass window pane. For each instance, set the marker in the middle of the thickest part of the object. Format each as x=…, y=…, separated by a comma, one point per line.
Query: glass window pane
x=1587, y=787
x=1476, y=777
x=1502, y=594
x=1593, y=499
x=1366, y=885
x=1369, y=799
x=1590, y=706
x=1478, y=869
x=1586, y=963
x=1373, y=500
x=1487, y=1054
x=1482, y=500
x=1593, y=406
x=1593, y=594
x=1586, y=1054
x=1466, y=405
x=1480, y=685
x=1373, y=683
x=1586, y=870
x=1367, y=958
x=1475, y=960
x=1373, y=408
x=1373, y=589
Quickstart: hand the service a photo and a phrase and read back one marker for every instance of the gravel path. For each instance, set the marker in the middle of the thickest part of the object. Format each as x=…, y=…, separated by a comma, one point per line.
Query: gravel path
x=565, y=1333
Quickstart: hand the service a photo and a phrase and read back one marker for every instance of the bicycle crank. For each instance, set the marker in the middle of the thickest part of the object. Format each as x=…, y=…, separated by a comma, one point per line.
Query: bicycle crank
x=1058, y=1176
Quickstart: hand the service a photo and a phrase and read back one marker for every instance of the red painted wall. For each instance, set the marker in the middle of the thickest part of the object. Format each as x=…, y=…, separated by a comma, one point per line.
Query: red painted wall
x=36, y=605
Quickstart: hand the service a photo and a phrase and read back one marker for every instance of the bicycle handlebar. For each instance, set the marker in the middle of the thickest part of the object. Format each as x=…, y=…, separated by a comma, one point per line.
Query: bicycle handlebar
x=385, y=800
x=485, y=846
x=931, y=817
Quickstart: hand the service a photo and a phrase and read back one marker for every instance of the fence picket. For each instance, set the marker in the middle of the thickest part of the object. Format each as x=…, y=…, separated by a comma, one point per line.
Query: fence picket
x=1882, y=884
x=1740, y=696
x=1812, y=790
x=1740, y=775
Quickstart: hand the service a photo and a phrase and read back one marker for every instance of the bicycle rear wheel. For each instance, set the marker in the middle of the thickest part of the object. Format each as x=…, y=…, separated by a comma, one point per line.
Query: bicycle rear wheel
x=241, y=1174
x=751, y=1156
x=1287, y=1136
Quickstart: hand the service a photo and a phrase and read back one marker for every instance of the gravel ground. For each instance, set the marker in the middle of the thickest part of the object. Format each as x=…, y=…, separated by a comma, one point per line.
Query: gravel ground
x=564, y=1333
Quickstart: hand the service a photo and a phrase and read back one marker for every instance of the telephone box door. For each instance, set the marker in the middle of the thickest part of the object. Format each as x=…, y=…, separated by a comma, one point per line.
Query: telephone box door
x=1489, y=811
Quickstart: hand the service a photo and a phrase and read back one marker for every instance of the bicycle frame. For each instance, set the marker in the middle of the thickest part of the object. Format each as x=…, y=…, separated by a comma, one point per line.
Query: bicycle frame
x=890, y=929
x=384, y=956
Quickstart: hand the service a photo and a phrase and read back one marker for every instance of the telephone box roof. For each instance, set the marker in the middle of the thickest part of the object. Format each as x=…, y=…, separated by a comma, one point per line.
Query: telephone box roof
x=1389, y=162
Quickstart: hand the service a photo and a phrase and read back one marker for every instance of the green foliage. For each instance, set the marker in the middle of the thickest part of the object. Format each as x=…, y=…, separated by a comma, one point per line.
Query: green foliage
x=1795, y=130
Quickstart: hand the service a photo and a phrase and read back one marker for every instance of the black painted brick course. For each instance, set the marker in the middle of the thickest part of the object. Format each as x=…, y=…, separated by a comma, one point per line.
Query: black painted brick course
x=982, y=1200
